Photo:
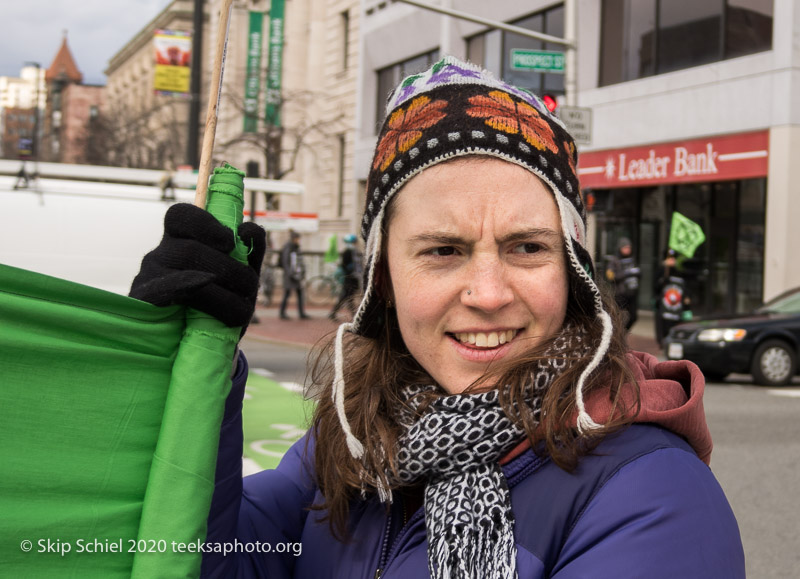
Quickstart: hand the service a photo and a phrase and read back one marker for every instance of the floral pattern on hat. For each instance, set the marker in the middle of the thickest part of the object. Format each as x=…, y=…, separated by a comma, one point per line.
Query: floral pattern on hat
x=569, y=147
x=503, y=113
x=405, y=128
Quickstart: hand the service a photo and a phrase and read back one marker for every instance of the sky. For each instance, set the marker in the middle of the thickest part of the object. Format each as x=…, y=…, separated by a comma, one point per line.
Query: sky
x=96, y=31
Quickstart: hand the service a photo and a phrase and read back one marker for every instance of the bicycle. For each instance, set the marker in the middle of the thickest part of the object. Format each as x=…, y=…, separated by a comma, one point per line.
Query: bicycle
x=268, y=279
x=324, y=289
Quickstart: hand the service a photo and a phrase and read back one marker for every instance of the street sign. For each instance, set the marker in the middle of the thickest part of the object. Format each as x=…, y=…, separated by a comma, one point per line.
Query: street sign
x=537, y=60
x=578, y=122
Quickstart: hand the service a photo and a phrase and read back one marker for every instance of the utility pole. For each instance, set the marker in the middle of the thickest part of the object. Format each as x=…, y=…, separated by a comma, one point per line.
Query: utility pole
x=192, y=148
x=570, y=56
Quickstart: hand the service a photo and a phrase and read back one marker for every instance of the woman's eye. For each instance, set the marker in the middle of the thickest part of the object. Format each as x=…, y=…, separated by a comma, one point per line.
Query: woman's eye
x=443, y=251
x=528, y=248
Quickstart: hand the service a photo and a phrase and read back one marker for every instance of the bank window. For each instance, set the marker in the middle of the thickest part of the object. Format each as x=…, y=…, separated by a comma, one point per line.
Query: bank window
x=390, y=77
x=492, y=50
x=641, y=38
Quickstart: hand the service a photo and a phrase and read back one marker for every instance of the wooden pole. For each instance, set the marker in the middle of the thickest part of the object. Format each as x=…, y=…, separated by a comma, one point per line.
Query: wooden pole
x=213, y=104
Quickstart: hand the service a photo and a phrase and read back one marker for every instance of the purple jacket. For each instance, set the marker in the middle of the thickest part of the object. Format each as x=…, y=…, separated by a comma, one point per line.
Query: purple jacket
x=642, y=505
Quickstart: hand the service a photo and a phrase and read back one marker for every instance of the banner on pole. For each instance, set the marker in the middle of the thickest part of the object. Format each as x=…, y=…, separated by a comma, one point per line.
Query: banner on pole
x=173, y=55
x=275, y=64
x=685, y=236
x=252, y=82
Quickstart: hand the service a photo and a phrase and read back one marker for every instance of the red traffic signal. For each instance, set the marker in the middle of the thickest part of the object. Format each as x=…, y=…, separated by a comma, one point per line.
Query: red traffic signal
x=550, y=102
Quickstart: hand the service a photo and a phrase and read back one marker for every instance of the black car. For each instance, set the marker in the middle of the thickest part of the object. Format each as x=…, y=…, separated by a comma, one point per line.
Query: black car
x=763, y=343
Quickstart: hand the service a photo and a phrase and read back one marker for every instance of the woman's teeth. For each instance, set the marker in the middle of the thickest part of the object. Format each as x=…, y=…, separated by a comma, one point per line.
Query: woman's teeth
x=484, y=340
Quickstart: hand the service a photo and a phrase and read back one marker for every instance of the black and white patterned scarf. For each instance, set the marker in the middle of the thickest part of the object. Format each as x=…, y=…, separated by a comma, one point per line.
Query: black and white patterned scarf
x=455, y=447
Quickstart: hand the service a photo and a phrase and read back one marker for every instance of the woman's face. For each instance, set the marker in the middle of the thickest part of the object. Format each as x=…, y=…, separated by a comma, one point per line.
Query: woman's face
x=477, y=267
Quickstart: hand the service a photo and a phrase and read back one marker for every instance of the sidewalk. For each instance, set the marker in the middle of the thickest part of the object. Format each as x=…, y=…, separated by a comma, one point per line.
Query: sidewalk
x=293, y=331
x=306, y=333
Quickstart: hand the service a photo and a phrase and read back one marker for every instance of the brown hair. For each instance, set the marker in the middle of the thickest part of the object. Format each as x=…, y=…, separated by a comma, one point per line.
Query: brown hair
x=377, y=369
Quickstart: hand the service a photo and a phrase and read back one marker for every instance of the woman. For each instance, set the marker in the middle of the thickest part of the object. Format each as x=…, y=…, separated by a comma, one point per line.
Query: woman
x=481, y=416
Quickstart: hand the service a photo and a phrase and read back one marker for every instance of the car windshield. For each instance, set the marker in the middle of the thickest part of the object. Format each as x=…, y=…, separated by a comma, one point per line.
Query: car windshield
x=784, y=304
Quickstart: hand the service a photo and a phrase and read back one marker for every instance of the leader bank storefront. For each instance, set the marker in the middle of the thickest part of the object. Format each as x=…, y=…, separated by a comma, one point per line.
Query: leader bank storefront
x=718, y=182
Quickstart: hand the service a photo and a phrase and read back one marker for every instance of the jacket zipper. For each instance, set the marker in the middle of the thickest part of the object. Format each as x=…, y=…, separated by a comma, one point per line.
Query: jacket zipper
x=385, y=547
x=387, y=555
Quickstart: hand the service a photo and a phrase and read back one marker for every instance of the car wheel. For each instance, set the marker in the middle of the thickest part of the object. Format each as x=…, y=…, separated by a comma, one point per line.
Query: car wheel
x=774, y=363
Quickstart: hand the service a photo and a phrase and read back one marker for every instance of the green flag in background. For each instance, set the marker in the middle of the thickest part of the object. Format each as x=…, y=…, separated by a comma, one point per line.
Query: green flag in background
x=332, y=255
x=110, y=410
x=275, y=63
x=685, y=236
x=252, y=82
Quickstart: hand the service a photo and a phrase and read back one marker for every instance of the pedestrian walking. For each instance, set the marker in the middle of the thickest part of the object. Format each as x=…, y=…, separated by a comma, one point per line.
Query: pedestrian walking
x=167, y=185
x=481, y=416
x=23, y=178
x=294, y=273
x=350, y=266
x=624, y=273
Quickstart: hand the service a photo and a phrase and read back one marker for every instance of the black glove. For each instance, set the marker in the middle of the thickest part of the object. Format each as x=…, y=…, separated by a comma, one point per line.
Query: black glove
x=191, y=266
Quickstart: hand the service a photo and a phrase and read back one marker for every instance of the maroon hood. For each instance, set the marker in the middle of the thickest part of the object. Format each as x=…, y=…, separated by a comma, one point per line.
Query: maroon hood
x=671, y=396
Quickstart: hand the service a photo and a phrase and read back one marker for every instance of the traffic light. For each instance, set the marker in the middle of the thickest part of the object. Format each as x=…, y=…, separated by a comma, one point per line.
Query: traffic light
x=550, y=102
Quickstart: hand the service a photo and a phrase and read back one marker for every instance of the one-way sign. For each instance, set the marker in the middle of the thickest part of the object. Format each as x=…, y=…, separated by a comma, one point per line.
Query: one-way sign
x=579, y=123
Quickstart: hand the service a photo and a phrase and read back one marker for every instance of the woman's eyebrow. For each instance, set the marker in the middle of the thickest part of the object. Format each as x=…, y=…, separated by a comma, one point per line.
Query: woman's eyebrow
x=535, y=233
x=439, y=238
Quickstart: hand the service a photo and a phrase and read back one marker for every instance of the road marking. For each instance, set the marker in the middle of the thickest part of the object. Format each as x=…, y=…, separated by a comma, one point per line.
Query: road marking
x=292, y=386
x=787, y=392
x=263, y=372
x=249, y=466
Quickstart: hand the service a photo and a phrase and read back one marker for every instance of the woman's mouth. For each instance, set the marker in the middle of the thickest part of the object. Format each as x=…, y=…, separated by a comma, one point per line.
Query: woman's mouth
x=485, y=339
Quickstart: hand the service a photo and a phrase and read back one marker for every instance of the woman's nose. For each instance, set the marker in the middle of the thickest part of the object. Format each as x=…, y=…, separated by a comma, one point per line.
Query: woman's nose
x=486, y=286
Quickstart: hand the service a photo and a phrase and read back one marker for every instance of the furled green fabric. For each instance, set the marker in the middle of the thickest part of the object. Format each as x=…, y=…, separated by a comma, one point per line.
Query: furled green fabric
x=110, y=411
x=182, y=474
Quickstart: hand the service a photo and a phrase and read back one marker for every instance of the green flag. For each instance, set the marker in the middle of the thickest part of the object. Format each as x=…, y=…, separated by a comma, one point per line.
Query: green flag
x=110, y=410
x=332, y=255
x=685, y=236
x=275, y=63
x=252, y=82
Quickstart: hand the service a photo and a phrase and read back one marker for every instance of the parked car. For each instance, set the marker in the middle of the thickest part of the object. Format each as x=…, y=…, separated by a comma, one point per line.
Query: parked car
x=763, y=343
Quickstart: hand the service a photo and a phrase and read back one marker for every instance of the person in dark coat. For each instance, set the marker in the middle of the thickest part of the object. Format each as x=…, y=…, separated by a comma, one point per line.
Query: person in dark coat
x=350, y=266
x=672, y=300
x=624, y=273
x=294, y=273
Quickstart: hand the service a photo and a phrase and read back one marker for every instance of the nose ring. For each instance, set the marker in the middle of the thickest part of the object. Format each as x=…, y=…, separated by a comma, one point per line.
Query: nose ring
x=469, y=292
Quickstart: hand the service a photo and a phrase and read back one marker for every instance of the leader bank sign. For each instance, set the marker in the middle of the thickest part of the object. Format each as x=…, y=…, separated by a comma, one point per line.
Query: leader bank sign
x=740, y=156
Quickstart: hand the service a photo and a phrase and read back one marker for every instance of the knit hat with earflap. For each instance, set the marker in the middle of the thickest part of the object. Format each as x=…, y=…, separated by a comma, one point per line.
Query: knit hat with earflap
x=456, y=109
